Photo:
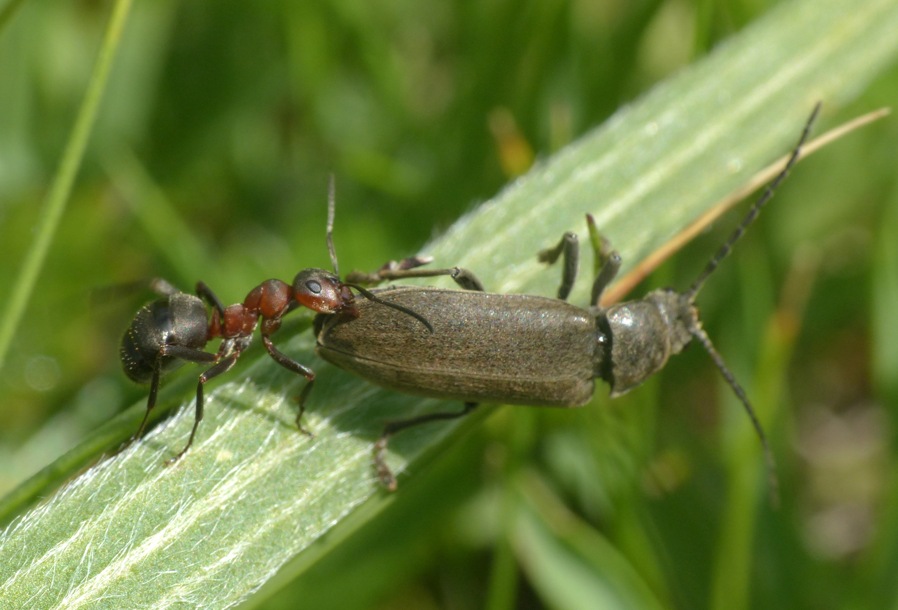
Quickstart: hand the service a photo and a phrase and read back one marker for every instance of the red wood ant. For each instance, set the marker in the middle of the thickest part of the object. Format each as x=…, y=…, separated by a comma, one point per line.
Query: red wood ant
x=176, y=328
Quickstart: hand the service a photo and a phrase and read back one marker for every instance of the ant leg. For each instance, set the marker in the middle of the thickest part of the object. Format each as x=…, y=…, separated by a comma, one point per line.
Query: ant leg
x=380, y=447
x=569, y=246
x=607, y=261
x=163, y=287
x=205, y=293
x=151, y=402
x=300, y=369
x=177, y=351
x=215, y=371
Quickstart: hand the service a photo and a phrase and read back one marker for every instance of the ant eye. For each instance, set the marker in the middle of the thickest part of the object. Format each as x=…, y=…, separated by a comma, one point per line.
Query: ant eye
x=320, y=291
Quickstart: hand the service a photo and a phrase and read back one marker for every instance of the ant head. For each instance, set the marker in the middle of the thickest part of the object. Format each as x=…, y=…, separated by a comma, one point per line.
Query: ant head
x=322, y=291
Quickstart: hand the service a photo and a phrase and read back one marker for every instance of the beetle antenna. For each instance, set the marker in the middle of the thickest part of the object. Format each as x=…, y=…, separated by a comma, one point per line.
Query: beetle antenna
x=752, y=214
x=374, y=298
x=331, y=206
x=772, y=479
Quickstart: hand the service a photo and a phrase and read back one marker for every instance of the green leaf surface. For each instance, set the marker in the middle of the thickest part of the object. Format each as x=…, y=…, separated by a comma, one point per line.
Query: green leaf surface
x=253, y=493
x=569, y=562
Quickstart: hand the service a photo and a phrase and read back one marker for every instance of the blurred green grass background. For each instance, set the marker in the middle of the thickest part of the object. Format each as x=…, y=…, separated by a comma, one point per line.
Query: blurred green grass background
x=210, y=159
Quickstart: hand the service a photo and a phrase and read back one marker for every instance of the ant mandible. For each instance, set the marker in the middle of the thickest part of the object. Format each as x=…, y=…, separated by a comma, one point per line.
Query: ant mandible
x=176, y=327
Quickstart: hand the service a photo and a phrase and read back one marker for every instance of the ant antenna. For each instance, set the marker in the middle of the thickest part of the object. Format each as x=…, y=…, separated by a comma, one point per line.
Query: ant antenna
x=374, y=298
x=752, y=214
x=331, y=206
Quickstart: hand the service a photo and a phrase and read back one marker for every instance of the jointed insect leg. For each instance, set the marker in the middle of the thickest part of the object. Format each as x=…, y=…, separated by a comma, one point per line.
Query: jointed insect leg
x=177, y=351
x=569, y=247
x=607, y=261
x=205, y=293
x=217, y=369
x=300, y=369
x=409, y=268
x=383, y=470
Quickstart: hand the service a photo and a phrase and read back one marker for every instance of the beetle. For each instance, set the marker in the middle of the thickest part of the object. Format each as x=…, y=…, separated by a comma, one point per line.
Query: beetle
x=524, y=349
x=176, y=327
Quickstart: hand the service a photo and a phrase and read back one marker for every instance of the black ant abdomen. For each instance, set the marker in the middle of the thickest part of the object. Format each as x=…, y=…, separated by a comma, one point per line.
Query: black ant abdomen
x=179, y=319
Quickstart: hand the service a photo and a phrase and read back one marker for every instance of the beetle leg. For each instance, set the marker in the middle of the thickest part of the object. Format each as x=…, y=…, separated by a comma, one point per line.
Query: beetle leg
x=389, y=270
x=302, y=407
x=409, y=268
x=386, y=476
x=607, y=261
x=466, y=279
x=569, y=247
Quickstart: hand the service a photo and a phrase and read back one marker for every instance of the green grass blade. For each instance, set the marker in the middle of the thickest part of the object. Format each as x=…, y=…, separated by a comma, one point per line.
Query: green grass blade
x=59, y=192
x=254, y=493
x=570, y=564
x=9, y=11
